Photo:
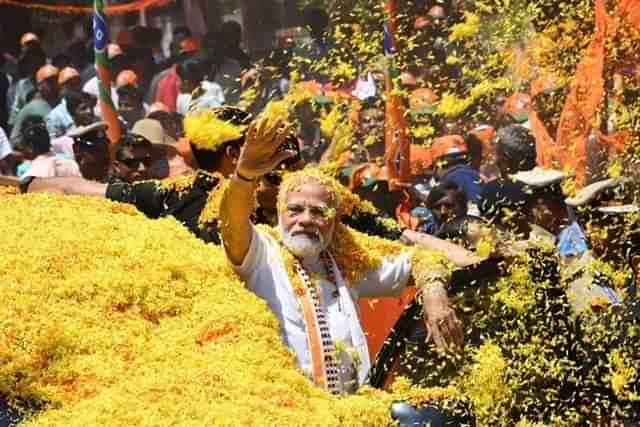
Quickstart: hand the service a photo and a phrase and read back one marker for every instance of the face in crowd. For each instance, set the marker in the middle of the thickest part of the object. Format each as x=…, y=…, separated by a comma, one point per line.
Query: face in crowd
x=133, y=159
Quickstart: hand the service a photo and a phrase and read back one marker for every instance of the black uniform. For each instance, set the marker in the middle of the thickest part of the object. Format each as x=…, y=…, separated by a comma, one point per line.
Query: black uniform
x=156, y=200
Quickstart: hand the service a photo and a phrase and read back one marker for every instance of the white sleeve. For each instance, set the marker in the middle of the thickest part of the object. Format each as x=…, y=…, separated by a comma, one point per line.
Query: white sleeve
x=256, y=256
x=5, y=145
x=387, y=281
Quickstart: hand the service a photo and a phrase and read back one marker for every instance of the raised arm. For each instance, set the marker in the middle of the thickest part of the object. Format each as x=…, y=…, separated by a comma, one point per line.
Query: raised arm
x=68, y=185
x=259, y=156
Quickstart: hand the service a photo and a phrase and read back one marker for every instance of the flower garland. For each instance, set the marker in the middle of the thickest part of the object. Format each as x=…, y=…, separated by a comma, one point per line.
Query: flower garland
x=211, y=211
x=133, y=6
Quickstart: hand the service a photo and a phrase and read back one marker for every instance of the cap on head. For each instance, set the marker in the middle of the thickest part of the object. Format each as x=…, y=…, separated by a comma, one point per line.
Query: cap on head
x=422, y=99
x=46, y=72
x=28, y=38
x=592, y=196
x=446, y=146
x=67, y=74
x=85, y=130
x=518, y=106
x=127, y=78
x=189, y=45
x=539, y=178
x=152, y=131
x=157, y=106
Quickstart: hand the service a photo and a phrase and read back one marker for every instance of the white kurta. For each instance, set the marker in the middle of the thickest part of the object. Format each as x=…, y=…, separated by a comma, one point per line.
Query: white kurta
x=265, y=274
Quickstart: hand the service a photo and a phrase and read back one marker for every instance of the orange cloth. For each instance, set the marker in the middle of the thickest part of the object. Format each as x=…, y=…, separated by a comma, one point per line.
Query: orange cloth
x=486, y=134
x=379, y=316
x=318, y=368
x=582, y=103
x=403, y=214
x=421, y=159
x=338, y=93
x=615, y=142
x=396, y=138
x=629, y=10
x=545, y=145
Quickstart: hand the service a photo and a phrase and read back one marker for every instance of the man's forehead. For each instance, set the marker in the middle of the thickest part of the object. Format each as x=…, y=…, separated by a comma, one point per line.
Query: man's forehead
x=309, y=192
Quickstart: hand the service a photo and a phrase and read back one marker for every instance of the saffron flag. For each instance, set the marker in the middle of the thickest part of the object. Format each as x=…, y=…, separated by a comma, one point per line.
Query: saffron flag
x=629, y=10
x=100, y=40
x=582, y=103
x=395, y=126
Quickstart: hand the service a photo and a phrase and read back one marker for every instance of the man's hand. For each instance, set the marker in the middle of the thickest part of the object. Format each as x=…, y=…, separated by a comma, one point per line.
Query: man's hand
x=442, y=324
x=260, y=154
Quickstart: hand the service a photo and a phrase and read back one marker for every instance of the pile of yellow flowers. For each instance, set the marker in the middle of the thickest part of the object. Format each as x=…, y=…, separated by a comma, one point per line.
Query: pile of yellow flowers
x=112, y=319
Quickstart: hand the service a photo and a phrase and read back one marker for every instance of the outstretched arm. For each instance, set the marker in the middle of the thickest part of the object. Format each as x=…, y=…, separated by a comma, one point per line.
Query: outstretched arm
x=259, y=156
x=458, y=255
x=68, y=185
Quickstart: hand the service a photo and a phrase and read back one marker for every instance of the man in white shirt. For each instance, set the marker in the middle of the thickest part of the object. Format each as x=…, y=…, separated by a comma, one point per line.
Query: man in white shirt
x=319, y=321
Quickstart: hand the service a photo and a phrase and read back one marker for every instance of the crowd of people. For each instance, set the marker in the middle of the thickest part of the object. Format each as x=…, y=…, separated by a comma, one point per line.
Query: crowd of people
x=205, y=140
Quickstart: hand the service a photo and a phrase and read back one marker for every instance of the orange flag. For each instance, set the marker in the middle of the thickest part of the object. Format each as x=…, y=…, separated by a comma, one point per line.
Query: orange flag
x=582, y=103
x=395, y=128
x=629, y=10
x=545, y=145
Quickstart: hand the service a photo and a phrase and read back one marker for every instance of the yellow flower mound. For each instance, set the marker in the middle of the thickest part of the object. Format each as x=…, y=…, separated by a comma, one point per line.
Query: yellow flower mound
x=113, y=319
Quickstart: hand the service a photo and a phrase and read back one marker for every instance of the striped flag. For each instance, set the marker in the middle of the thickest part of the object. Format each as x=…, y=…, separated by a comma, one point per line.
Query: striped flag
x=395, y=124
x=100, y=40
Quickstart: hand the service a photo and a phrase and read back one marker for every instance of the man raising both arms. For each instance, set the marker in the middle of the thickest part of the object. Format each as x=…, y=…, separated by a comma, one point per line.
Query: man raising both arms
x=301, y=269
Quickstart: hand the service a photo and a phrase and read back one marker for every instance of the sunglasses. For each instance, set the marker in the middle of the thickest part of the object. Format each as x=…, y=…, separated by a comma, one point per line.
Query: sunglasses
x=91, y=143
x=134, y=163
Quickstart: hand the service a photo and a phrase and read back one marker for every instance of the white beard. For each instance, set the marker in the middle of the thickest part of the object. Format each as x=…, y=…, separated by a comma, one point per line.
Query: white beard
x=303, y=246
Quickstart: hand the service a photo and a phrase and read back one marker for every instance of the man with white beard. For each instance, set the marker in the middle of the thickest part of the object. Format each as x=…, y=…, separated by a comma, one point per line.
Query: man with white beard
x=294, y=269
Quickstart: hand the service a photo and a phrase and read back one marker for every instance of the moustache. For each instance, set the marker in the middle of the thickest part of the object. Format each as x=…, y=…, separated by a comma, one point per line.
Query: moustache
x=314, y=234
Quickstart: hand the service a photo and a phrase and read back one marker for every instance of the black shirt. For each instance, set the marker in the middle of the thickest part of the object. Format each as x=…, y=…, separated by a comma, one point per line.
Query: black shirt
x=178, y=198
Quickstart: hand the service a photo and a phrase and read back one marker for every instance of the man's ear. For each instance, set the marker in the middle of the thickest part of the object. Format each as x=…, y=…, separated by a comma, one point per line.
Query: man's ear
x=233, y=153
